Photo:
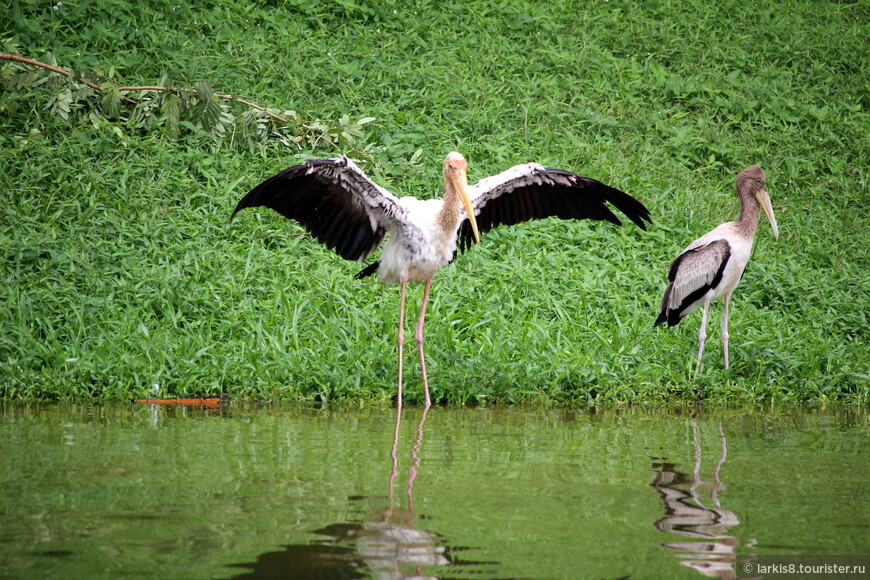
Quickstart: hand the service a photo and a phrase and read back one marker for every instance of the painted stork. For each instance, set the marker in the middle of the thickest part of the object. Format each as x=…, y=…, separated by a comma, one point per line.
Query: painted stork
x=345, y=210
x=711, y=266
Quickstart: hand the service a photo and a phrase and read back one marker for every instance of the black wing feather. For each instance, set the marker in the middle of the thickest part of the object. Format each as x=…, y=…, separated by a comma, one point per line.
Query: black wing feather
x=313, y=195
x=673, y=315
x=530, y=192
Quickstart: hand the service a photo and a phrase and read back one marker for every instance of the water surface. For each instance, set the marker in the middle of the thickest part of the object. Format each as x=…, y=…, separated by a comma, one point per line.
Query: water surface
x=259, y=492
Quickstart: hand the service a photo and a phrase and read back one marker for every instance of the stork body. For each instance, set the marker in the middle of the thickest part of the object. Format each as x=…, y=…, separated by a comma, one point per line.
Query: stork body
x=711, y=267
x=417, y=256
x=349, y=213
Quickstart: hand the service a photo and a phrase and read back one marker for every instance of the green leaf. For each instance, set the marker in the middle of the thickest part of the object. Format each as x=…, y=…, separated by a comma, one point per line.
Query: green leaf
x=208, y=113
x=171, y=109
x=111, y=103
x=203, y=90
x=62, y=103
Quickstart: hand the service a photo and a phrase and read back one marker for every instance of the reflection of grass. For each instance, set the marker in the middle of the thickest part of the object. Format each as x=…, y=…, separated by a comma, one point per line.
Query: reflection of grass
x=120, y=270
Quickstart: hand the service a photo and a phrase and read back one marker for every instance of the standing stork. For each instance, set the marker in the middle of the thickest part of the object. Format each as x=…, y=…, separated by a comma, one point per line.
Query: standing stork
x=349, y=213
x=712, y=266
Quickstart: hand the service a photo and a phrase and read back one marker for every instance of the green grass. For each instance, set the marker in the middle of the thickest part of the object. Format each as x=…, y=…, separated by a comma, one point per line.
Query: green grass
x=120, y=269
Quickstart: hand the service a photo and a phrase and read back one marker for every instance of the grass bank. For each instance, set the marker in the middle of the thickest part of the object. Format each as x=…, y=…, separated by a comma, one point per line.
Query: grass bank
x=120, y=269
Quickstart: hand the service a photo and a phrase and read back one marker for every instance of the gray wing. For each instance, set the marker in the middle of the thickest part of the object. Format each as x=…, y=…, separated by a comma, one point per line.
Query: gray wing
x=691, y=275
x=335, y=201
x=532, y=191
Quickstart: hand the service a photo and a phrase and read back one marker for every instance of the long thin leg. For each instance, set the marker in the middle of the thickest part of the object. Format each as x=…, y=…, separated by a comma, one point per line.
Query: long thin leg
x=418, y=336
x=400, y=339
x=725, y=329
x=702, y=334
x=412, y=471
x=395, y=457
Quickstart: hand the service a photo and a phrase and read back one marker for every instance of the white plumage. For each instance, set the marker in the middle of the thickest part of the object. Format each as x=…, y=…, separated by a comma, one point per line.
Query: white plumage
x=349, y=213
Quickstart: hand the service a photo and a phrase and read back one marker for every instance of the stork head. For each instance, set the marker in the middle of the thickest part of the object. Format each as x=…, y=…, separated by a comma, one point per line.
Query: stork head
x=751, y=182
x=456, y=178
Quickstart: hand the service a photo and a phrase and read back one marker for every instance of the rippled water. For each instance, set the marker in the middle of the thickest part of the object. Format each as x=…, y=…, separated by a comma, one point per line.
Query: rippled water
x=259, y=492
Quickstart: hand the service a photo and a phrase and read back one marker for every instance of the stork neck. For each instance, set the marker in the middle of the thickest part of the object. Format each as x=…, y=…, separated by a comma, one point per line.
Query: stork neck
x=750, y=211
x=448, y=215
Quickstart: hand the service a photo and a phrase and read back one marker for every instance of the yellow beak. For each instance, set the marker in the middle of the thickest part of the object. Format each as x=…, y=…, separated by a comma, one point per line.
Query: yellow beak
x=460, y=180
x=764, y=199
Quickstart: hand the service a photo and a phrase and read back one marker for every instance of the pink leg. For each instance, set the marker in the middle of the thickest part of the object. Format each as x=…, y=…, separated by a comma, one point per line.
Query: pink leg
x=418, y=336
x=725, y=329
x=412, y=471
x=401, y=337
x=702, y=334
x=395, y=457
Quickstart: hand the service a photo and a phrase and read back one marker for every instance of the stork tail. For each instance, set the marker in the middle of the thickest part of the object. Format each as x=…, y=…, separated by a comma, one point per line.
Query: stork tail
x=368, y=270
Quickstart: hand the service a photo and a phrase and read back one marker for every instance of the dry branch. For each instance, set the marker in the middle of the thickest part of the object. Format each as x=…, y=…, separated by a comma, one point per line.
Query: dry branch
x=36, y=63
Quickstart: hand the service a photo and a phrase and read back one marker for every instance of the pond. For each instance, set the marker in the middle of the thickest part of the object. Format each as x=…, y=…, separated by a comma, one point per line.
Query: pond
x=241, y=491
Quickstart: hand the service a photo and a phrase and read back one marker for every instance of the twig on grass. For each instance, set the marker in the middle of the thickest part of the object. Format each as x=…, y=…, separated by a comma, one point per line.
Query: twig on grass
x=58, y=70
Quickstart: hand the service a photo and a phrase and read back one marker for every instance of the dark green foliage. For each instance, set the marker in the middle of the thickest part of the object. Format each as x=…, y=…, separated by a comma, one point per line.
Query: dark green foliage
x=119, y=269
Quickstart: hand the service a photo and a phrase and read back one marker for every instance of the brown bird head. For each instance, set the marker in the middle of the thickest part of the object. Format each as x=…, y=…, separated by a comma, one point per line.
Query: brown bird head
x=752, y=184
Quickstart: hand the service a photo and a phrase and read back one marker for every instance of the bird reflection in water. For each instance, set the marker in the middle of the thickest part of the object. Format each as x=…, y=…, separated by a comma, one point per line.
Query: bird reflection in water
x=391, y=545
x=710, y=549
x=386, y=545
